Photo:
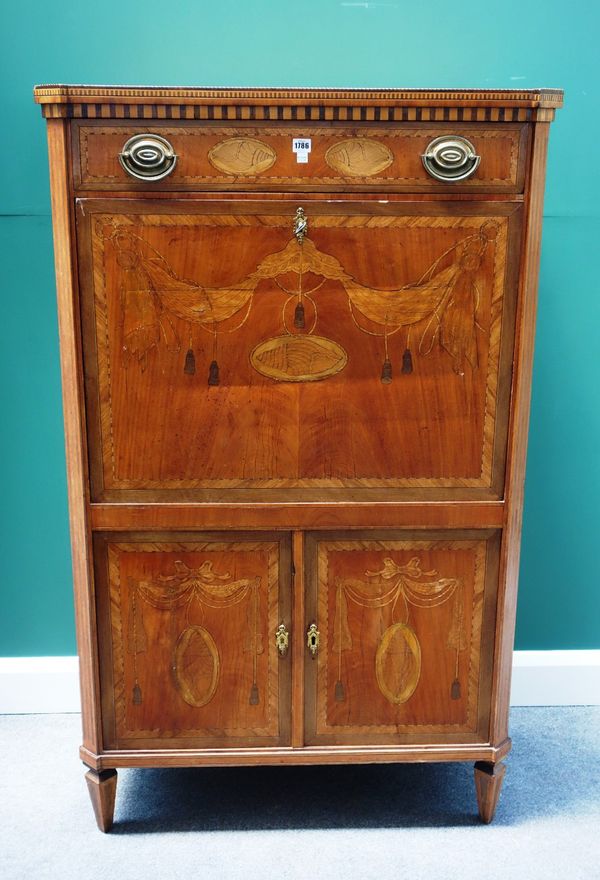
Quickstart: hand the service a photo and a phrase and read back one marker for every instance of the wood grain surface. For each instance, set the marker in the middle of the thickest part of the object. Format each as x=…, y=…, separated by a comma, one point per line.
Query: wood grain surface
x=406, y=623
x=348, y=431
x=248, y=157
x=188, y=633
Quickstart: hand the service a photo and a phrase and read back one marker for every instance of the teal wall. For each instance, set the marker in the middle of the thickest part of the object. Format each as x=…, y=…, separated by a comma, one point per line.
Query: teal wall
x=312, y=43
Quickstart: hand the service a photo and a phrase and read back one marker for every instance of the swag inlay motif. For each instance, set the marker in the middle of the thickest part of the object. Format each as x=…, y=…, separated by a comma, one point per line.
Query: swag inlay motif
x=398, y=655
x=437, y=309
x=196, y=662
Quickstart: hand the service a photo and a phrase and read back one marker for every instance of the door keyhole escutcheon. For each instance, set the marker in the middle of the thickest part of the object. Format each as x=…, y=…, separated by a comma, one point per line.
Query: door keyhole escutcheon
x=312, y=639
x=282, y=639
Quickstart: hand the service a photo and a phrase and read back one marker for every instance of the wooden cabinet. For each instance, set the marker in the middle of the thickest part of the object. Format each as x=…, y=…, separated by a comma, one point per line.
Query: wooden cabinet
x=296, y=342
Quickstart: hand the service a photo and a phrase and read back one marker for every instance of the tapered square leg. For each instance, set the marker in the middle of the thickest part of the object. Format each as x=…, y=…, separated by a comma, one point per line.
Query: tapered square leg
x=488, y=782
x=103, y=789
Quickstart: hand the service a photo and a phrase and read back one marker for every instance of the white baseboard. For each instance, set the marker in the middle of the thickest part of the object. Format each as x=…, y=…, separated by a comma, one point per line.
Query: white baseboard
x=31, y=685
x=556, y=678
x=540, y=678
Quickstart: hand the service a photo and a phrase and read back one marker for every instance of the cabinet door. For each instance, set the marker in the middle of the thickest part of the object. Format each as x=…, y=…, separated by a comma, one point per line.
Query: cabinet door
x=367, y=353
x=406, y=637
x=187, y=626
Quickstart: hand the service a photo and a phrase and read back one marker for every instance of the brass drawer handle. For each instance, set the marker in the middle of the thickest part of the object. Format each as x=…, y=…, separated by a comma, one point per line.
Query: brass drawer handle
x=282, y=639
x=312, y=639
x=450, y=158
x=148, y=157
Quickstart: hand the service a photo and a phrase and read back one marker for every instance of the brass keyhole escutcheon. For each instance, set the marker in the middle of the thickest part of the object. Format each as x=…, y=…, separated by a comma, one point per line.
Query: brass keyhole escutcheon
x=312, y=639
x=282, y=639
x=300, y=225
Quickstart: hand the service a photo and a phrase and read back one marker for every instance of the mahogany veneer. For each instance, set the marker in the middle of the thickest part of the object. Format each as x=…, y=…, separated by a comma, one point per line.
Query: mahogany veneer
x=296, y=342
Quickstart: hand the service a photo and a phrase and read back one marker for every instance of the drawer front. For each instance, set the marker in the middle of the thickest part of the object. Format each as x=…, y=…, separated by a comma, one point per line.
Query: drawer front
x=227, y=359
x=248, y=157
x=187, y=628
x=406, y=637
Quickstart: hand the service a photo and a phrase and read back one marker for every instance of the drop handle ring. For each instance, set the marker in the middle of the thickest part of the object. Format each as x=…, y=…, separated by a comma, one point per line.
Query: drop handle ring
x=148, y=157
x=450, y=158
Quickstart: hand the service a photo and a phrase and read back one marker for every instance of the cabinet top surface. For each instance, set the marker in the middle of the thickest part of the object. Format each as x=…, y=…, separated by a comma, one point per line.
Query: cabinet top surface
x=63, y=98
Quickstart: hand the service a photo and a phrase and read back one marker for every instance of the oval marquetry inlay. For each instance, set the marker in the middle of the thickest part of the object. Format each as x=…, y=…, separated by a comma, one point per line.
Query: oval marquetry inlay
x=298, y=358
x=398, y=663
x=359, y=157
x=242, y=155
x=196, y=666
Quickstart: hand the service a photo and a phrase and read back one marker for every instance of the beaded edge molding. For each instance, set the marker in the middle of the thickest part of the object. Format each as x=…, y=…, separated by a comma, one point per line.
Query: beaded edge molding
x=380, y=105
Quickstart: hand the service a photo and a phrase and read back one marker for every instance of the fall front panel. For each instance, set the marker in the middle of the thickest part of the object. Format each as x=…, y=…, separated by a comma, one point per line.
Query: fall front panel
x=405, y=627
x=187, y=634
x=255, y=348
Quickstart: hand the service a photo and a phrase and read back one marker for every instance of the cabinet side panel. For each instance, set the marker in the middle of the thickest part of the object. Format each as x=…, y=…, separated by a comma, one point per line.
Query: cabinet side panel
x=74, y=419
x=517, y=443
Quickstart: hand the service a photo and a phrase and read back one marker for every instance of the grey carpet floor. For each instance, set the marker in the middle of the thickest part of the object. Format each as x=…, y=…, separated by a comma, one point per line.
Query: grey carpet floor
x=396, y=821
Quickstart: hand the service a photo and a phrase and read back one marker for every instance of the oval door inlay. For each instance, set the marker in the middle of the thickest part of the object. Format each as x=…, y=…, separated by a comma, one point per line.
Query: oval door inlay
x=359, y=157
x=196, y=666
x=398, y=663
x=242, y=155
x=298, y=358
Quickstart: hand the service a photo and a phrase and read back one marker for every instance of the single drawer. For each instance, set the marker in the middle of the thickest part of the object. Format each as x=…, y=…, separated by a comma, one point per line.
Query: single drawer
x=444, y=157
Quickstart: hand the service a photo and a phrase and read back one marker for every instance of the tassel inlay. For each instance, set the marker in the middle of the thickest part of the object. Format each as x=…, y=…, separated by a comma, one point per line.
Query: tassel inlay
x=340, y=693
x=299, y=317
x=455, y=690
x=137, y=695
x=213, y=373
x=254, y=695
x=407, y=364
x=190, y=363
x=386, y=372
